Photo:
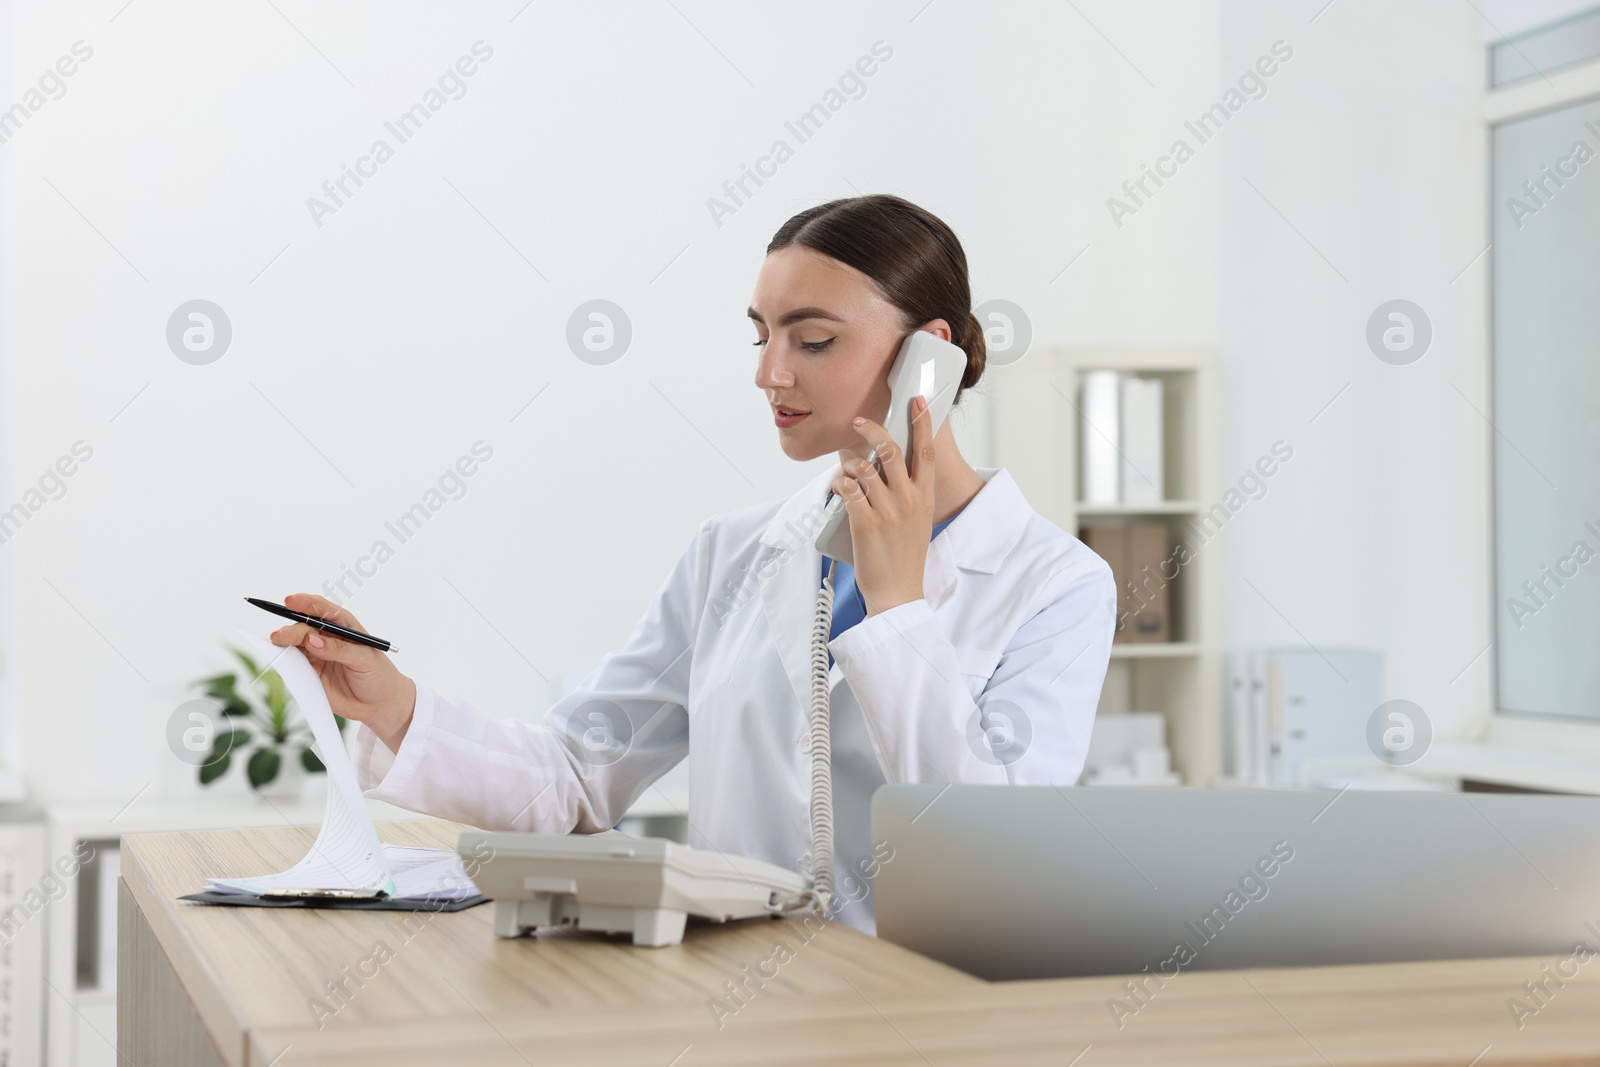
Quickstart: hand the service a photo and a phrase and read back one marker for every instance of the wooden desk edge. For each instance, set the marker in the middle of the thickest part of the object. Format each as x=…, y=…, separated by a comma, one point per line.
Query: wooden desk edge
x=238, y=1044
x=230, y=1023
x=220, y=1016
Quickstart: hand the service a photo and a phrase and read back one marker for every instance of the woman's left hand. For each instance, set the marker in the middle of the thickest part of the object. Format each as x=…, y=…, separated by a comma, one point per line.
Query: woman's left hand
x=891, y=517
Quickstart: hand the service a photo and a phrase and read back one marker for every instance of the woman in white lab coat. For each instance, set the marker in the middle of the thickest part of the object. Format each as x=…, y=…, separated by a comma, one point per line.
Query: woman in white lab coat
x=976, y=656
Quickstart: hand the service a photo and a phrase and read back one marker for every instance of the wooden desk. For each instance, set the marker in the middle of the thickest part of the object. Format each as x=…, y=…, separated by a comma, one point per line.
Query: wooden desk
x=203, y=985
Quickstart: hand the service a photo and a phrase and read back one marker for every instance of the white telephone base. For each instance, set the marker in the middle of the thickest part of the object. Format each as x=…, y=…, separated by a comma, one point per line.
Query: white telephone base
x=645, y=887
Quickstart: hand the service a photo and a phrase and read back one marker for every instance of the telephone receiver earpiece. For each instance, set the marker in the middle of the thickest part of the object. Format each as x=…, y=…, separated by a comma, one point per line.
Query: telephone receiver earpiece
x=925, y=366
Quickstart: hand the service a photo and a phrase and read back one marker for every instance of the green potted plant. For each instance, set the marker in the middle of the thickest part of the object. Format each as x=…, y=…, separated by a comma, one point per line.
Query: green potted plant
x=277, y=741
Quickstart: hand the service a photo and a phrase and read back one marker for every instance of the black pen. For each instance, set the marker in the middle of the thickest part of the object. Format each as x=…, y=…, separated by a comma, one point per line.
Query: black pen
x=325, y=626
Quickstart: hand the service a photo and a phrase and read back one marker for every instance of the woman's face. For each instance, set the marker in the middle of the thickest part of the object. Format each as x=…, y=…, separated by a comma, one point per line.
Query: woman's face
x=826, y=339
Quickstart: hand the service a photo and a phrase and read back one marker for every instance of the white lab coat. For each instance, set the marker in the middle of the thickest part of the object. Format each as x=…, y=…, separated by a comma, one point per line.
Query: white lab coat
x=1016, y=625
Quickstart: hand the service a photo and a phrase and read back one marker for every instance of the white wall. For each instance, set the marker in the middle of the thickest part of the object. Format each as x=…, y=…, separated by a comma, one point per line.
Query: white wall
x=375, y=350
x=406, y=327
x=1375, y=535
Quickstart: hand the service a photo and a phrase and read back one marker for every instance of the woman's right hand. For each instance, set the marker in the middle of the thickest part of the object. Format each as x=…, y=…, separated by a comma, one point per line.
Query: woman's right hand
x=362, y=683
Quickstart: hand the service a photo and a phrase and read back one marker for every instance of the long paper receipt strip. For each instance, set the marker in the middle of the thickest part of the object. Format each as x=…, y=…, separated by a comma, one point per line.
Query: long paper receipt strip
x=347, y=859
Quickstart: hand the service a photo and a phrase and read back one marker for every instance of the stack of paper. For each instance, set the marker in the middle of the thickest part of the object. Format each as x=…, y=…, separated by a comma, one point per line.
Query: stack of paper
x=1129, y=748
x=347, y=859
x=410, y=874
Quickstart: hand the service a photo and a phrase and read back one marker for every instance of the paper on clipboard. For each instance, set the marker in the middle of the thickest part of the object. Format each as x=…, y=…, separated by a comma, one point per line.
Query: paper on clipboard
x=347, y=859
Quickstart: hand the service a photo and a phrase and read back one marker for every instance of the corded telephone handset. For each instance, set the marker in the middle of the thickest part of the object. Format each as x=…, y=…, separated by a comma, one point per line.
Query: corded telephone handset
x=925, y=366
x=647, y=887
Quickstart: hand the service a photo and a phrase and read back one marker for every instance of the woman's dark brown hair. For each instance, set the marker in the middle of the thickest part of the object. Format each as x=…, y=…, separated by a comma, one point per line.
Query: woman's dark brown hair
x=912, y=257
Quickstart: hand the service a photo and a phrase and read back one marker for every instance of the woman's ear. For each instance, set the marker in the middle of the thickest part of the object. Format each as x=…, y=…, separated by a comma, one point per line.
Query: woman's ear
x=938, y=327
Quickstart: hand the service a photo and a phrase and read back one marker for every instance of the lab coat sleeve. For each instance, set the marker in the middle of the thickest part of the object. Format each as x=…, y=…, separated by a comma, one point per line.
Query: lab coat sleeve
x=579, y=770
x=1036, y=710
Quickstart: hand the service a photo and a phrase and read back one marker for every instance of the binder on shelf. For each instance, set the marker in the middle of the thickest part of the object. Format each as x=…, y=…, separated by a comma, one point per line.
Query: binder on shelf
x=1136, y=552
x=1291, y=710
x=1121, y=435
x=1142, y=481
x=1246, y=723
x=1150, y=594
x=1109, y=542
x=1099, y=434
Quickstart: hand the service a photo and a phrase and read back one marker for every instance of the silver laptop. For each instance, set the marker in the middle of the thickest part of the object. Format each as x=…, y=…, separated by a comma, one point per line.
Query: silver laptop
x=1035, y=882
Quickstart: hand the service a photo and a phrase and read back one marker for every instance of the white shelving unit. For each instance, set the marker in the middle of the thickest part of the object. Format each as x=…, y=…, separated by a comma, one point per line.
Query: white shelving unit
x=1036, y=426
